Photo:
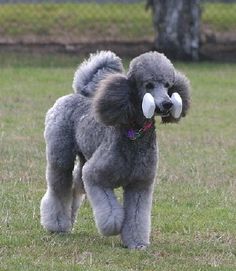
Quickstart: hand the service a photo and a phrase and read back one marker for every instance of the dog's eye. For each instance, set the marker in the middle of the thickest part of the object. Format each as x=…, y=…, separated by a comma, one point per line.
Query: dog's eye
x=149, y=86
x=166, y=85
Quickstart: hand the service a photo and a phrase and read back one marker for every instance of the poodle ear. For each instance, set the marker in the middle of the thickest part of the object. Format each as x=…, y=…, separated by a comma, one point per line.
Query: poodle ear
x=182, y=87
x=112, y=103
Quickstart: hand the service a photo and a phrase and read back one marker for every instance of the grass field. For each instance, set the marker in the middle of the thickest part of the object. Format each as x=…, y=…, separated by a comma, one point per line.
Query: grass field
x=220, y=16
x=77, y=22
x=83, y=22
x=193, y=218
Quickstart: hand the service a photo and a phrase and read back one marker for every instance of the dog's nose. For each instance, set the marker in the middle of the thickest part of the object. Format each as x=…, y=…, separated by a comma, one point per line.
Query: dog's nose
x=167, y=105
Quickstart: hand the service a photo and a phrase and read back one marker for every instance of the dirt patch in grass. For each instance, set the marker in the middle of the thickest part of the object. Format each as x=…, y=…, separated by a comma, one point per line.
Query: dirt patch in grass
x=218, y=45
x=212, y=50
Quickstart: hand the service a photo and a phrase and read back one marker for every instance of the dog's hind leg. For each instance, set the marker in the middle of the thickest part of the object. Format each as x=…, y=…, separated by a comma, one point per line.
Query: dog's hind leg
x=56, y=204
x=78, y=188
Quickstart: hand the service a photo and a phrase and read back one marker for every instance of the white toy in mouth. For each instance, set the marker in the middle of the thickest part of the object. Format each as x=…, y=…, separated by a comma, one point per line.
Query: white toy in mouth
x=176, y=109
x=148, y=106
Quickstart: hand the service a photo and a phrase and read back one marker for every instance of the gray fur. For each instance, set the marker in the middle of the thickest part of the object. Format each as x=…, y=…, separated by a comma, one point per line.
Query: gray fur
x=182, y=86
x=94, y=129
x=92, y=71
x=112, y=106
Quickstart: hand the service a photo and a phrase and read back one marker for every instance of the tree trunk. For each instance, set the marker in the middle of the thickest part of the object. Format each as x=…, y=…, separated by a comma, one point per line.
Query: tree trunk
x=177, y=23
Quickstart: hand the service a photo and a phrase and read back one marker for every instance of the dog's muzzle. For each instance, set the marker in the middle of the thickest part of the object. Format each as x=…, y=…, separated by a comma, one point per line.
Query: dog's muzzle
x=164, y=109
x=171, y=107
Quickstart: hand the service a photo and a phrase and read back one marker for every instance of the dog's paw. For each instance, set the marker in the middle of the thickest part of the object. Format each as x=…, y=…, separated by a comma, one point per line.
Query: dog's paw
x=54, y=216
x=141, y=247
x=57, y=224
x=137, y=246
x=110, y=222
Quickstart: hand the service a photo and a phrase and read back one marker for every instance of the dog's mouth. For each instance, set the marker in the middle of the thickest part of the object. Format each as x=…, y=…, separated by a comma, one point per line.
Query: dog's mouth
x=165, y=108
x=151, y=107
x=162, y=113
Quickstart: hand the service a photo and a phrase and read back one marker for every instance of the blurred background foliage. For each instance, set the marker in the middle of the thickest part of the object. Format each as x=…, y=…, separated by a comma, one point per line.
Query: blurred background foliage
x=90, y=21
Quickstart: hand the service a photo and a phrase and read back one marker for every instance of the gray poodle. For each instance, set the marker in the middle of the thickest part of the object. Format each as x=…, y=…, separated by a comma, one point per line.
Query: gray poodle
x=107, y=129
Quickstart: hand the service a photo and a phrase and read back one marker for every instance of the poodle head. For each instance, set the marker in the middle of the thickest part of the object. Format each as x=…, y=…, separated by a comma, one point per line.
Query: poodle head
x=119, y=97
x=154, y=73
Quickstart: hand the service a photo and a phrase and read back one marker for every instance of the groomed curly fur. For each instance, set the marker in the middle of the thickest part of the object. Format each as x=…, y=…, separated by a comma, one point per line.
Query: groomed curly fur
x=94, y=125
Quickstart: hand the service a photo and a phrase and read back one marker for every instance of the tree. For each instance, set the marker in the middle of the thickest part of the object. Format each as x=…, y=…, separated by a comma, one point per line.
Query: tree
x=177, y=23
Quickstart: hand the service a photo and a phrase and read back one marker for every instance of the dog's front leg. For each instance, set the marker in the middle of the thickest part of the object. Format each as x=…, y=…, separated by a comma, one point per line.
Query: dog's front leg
x=108, y=213
x=137, y=223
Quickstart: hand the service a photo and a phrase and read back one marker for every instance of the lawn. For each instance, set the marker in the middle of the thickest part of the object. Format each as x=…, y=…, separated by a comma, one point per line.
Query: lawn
x=220, y=16
x=193, y=217
x=72, y=22
x=78, y=22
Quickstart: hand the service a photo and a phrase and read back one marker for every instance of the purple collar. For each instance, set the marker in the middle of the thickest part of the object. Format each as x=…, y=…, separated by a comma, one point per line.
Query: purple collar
x=133, y=134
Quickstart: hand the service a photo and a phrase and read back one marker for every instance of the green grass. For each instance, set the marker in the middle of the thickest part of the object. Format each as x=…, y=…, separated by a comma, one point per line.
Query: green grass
x=220, y=16
x=78, y=21
x=94, y=22
x=193, y=218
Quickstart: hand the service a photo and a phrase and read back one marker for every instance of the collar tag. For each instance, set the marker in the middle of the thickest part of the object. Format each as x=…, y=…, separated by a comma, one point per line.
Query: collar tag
x=135, y=134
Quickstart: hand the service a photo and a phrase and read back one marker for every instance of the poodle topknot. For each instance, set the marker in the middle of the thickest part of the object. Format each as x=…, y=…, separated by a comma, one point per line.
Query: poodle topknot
x=107, y=126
